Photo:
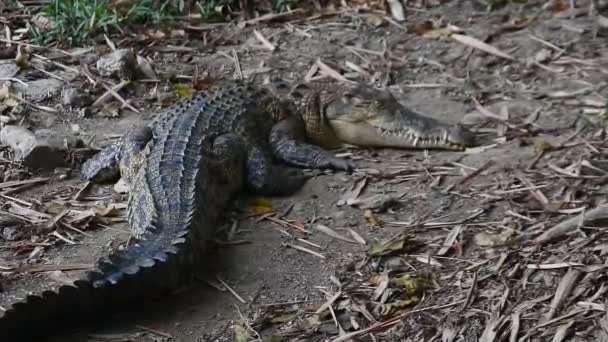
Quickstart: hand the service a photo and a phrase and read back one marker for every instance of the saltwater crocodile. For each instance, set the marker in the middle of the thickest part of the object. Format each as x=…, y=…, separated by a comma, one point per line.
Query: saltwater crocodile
x=331, y=115
x=185, y=167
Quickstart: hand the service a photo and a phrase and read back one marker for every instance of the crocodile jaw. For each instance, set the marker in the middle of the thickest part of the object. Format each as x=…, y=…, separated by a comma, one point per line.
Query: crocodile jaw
x=364, y=134
x=366, y=116
x=413, y=132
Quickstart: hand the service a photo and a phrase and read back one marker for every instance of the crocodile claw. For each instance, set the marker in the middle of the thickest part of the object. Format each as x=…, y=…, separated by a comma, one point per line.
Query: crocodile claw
x=339, y=164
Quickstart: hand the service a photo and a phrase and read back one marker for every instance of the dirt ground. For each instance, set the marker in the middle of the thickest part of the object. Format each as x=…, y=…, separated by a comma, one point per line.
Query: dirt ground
x=472, y=213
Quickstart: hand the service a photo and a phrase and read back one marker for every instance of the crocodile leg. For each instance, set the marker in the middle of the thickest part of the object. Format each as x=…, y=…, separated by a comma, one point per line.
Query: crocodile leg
x=103, y=168
x=287, y=140
x=133, y=156
x=228, y=161
x=269, y=179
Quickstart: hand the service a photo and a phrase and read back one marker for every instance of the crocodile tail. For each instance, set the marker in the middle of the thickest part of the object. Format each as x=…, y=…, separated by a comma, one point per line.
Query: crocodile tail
x=41, y=314
x=122, y=280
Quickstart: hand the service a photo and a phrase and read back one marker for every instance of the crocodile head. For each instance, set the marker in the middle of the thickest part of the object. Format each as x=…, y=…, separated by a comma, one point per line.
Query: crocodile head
x=367, y=116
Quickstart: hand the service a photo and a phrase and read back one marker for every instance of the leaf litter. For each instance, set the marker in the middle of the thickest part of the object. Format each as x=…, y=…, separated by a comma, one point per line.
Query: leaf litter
x=484, y=246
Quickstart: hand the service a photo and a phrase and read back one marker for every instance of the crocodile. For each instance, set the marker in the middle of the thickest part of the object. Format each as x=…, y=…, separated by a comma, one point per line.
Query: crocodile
x=184, y=169
x=333, y=115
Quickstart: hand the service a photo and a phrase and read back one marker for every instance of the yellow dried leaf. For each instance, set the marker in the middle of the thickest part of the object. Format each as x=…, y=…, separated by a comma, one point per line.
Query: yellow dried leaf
x=156, y=34
x=544, y=146
x=375, y=280
x=4, y=92
x=261, y=206
x=55, y=208
x=395, y=245
x=283, y=318
x=241, y=334
x=438, y=33
x=22, y=60
x=423, y=27
x=560, y=6
x=7, y=95
x=412, y=286
x=487, y=239
x=373, y=219
x=404, y=303
x=374, y=21
x=183, y=90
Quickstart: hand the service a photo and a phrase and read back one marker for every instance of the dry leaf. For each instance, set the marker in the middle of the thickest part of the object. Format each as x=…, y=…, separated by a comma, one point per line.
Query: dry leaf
x=429, y=261
x=241, y=334
x=423, y=27
x=559, y=6
x=354, y=192
x=382, y=284
x=485, y=239
x=156, y=34
x=397, y=10
x=145, y=67
x=438, y=34
x=373, y=219
x=183, y=90
x=374, y=21
x=412, y=286
x=357, y=237
x=178, y=34
x=22, y=60
x=108, y=211
x=262, y=206
x=31, y=214
x=478, y=44
x=121, y=186
x=376, y=279
x=55, y=208
x=328, y=231
x=542, y=146
x=7, y=96
x=379, y=202
x=395, y=245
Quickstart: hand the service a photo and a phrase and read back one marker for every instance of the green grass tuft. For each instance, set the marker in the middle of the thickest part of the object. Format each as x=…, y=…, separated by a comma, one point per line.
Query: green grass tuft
x=80, y=22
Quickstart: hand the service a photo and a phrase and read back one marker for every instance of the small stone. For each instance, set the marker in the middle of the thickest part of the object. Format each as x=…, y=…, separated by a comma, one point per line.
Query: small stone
x=75, y=128
x=122, y=187
x=378, y=202
x=19, y=110
x=76, y=98
x=60, y=140
x=121, y=63
x=8, y=69
x=36, y=151
x=395, y=263
x=41, y=89
x=10, y=233
x=42, y=22
x=84, y=112
x=42, y=119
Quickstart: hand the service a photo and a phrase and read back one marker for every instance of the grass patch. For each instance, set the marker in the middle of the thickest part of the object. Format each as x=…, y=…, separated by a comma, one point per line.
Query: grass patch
x=76, y=22
x=80, y=22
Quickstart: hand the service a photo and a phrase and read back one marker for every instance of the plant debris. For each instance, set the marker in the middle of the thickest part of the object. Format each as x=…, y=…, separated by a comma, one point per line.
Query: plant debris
x=504, y=241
